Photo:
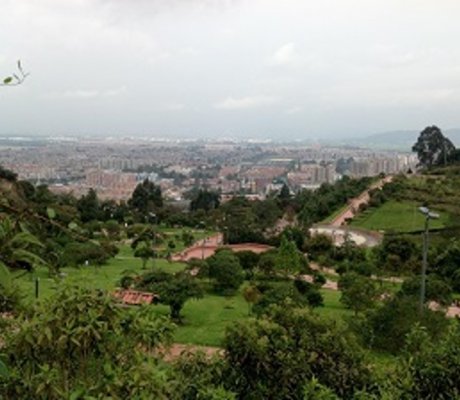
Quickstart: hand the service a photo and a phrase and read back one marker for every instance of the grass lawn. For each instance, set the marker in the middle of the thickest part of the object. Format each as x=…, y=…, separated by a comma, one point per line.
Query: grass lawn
x=101, y=277
x=396, y=216
x=332, y=308
x=205, y=320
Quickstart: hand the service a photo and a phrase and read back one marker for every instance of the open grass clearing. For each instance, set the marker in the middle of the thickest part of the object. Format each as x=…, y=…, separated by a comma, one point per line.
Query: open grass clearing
x=396, y=216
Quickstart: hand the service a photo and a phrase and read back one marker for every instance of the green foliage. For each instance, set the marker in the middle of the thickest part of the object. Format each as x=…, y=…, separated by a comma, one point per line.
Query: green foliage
x=447, y=264
x=77, y=254
x=16, y=78
x=432, y=147
x=319, y=245
x=385, y=328
x=436, y=289
x=88, y=206
x=8, y=174
x=278, y=356
x=144, y=251
x=358, y=292
x=19, y=247
x=248, y=221
x=226, y=271
x=314, y=206
x=80, y=341
x=289, y=259
x=433, y=367
x=174, y=290
x=252, y=295
x=298, y=293
x=205, y=200
x=146, y=198
x=397, y=255
x=198, y=377
x=267, y=262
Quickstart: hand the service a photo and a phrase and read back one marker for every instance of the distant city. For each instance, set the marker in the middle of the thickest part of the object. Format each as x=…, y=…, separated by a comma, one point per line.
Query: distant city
x=113, y=167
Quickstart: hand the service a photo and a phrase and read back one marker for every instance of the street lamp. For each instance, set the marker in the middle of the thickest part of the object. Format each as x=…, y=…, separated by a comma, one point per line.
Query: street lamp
x=428, y=215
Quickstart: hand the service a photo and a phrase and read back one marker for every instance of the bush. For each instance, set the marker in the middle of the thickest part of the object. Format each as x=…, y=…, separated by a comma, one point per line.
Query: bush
x=386, y=327
x=226, y=271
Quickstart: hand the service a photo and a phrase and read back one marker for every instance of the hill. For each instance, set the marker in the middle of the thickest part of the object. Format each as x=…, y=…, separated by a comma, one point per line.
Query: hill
x=398, y=140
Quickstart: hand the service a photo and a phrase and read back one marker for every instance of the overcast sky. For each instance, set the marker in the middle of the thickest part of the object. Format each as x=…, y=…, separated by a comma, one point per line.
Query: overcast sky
x=295, y=69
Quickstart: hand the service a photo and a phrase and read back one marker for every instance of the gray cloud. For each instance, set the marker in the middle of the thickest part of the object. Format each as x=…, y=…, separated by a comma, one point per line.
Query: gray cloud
x=249, y=67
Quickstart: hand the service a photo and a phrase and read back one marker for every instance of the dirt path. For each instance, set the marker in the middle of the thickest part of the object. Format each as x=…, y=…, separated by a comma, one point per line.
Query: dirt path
x=177, y=349
x=206, y=247
x=355, y=203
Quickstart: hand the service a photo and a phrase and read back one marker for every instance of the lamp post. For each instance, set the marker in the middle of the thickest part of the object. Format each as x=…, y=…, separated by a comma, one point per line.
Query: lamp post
x=428, y=215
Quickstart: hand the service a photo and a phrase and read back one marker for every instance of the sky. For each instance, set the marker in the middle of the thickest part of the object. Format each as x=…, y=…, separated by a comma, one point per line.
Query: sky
x=279, y=69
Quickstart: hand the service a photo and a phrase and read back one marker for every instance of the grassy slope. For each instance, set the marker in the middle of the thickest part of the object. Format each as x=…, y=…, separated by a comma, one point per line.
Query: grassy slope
x=400, y=216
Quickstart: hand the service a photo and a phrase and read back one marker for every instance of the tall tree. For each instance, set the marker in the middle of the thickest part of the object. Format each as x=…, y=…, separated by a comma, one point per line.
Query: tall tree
x=289, y=259
x=432, y=147
x=146, y=197
x=88, y=205
x=205, y=200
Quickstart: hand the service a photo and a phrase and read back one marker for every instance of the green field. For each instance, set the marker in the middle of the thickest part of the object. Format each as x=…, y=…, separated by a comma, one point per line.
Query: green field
x=101, y=277
x=396, y=216
x=204, y=320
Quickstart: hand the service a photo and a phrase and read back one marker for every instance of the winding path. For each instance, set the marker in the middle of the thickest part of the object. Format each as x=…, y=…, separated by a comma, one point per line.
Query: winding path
x=337, y=229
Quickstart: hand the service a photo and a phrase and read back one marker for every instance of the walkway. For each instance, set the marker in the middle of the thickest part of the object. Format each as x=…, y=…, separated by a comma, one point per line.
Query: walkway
x=206, y=247
x=337, y=230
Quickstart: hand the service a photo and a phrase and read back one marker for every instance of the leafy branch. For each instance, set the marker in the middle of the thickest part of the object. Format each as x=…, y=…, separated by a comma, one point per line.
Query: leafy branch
x=17, y=78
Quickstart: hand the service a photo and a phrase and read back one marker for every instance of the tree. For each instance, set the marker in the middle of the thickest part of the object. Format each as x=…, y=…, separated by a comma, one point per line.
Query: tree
x=252, y=295
x=277, y=356
x=146, y=197
x=290, y=294
x=433, y=367
x=144, y=251
x=225, y=269
x=386, y=327
x=436, y=289
x=289, y=259
x=88, y=206
x=77, y=254
x=358, y=292
x=8, y=174
x=80, y=344
x=174, y=290
x=248, y=260
x=205, y=200
x=432, y=147
x=319, y=245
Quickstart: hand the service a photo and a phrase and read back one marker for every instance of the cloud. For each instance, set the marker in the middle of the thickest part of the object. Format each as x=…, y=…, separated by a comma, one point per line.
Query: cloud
x=174, y=107
x=232, y=103
x=294, y=110
x=86, y=93
x=286, y=55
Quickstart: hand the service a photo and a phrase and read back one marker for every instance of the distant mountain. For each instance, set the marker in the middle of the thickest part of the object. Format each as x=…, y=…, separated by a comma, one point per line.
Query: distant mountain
x=397, y=140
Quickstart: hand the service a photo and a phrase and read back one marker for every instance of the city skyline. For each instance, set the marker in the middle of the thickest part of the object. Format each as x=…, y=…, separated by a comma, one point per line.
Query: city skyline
x=238, y=69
